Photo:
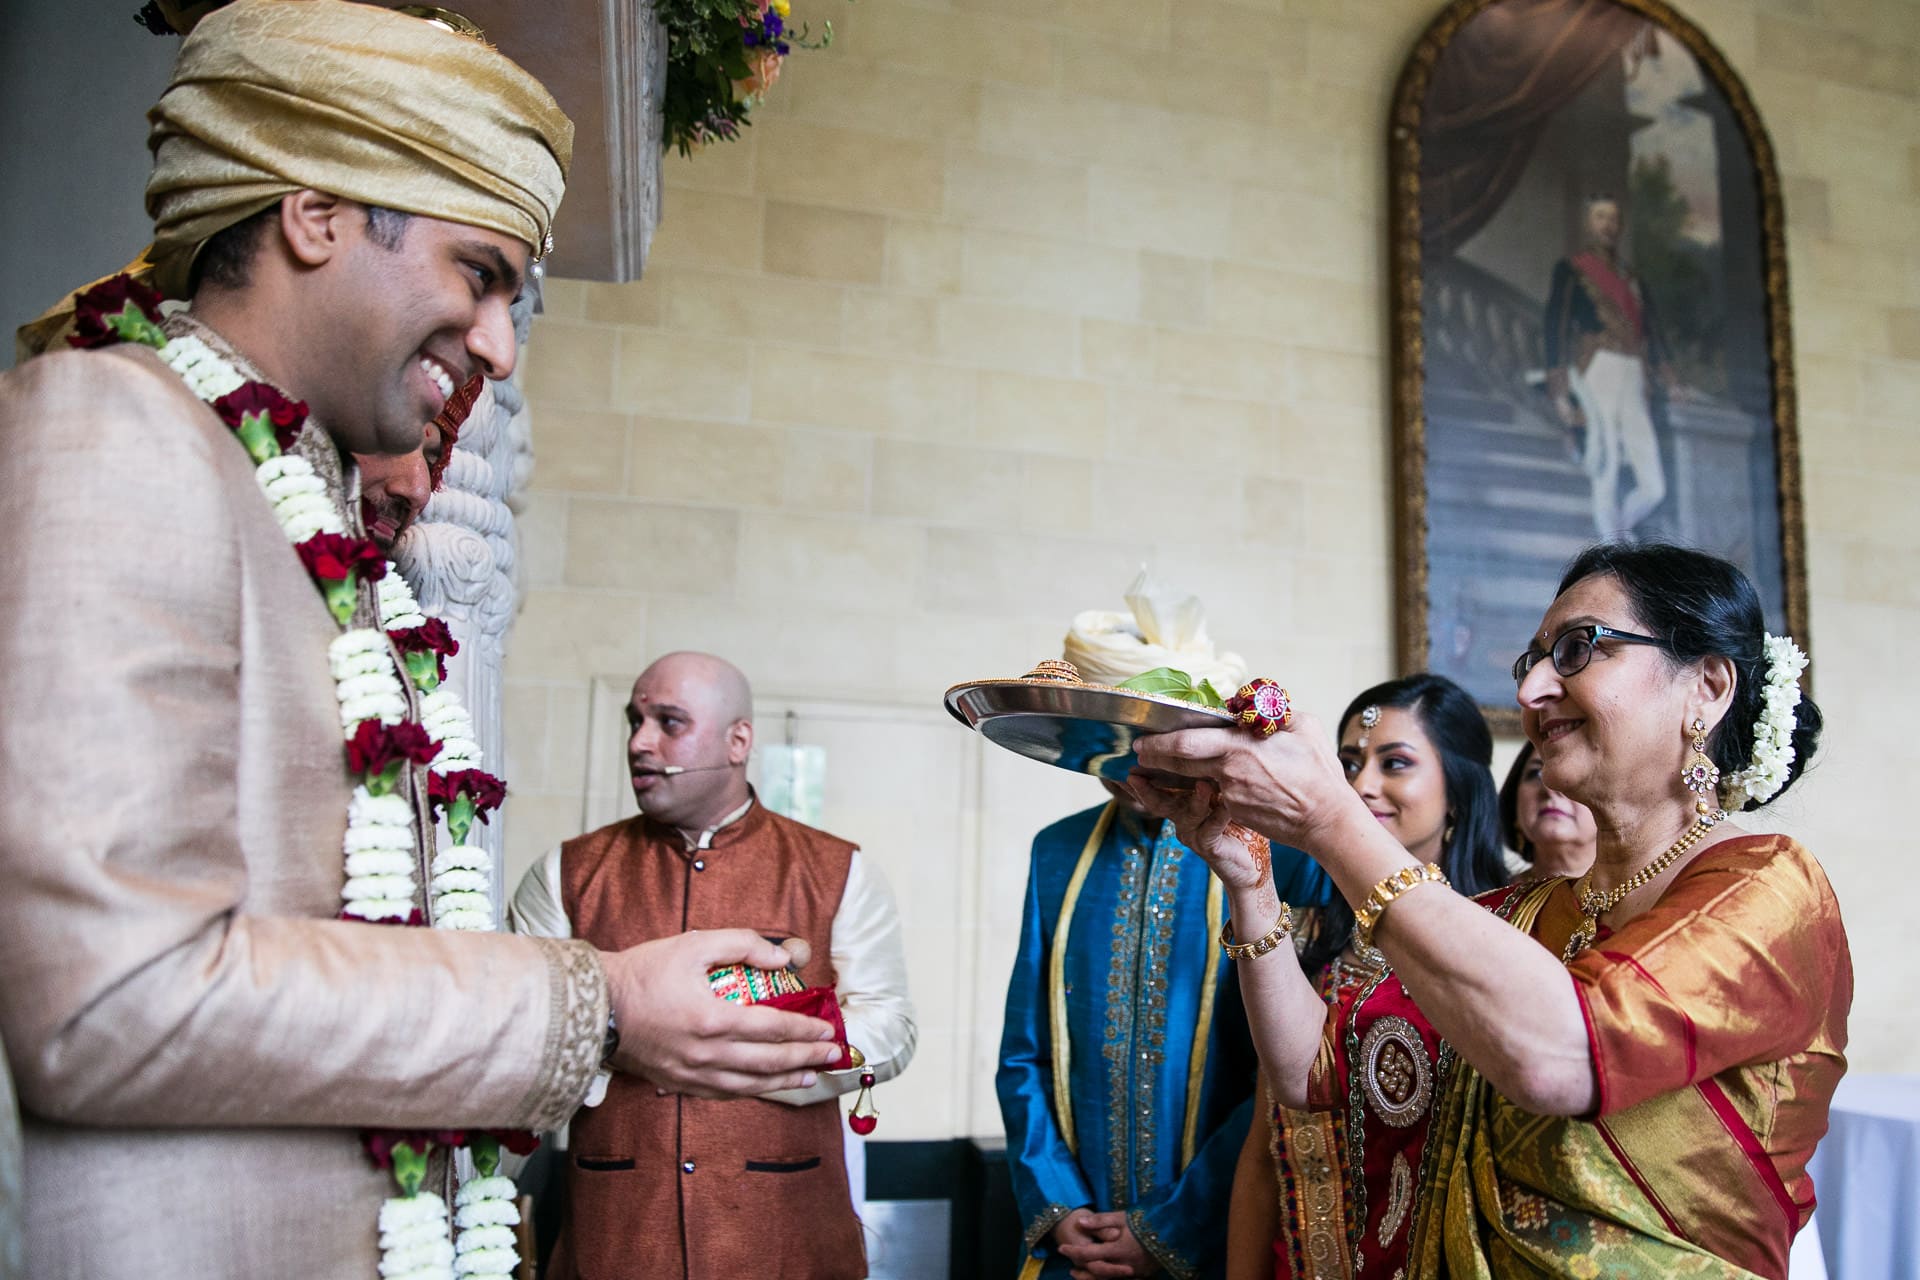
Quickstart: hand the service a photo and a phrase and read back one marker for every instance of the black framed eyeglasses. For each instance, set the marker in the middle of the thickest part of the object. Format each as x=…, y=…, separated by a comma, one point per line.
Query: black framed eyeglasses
x=1573, y=649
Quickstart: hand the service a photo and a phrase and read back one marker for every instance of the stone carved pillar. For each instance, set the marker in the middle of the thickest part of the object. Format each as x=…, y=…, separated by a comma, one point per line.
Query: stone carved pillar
x=460, y=559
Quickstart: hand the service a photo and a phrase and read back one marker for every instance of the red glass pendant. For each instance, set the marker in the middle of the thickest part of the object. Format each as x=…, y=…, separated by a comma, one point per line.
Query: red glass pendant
x=863, y=1119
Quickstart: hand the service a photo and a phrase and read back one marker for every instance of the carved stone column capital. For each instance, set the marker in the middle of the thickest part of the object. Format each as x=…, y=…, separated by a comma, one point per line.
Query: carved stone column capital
x=460, y=559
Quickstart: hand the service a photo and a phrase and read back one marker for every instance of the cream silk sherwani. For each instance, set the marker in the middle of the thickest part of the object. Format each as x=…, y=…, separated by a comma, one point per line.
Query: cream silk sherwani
x=194, y=1037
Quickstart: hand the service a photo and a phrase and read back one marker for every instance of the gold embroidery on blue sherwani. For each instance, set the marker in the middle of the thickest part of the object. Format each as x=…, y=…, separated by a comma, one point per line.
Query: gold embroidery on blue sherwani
x=1129, y=996
x=1122, y=972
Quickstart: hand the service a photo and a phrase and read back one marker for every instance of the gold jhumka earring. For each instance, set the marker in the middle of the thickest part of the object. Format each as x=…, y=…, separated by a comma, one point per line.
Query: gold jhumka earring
x=1702, y=775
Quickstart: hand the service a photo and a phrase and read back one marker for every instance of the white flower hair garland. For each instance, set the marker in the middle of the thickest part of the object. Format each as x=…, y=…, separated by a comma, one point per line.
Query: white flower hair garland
x=1772, y=761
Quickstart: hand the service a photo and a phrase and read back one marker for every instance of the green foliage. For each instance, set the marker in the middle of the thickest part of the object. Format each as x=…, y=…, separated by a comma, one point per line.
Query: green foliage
x=1172, y=683
x=705, y=55
x=708, y=58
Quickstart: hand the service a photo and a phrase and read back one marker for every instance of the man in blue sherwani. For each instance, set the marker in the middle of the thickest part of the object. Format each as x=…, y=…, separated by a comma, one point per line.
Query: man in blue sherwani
x=1123, y=1132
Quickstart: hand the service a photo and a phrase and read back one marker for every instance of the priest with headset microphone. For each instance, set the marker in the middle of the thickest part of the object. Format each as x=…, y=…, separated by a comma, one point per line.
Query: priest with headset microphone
x=664, y=1185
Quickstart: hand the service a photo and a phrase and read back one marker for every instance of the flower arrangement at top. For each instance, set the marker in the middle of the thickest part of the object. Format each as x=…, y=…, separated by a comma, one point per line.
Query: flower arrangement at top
x=722, y=57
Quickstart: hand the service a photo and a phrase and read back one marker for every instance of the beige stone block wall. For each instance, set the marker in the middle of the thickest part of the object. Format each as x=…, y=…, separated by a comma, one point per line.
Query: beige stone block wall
x=1000, y=298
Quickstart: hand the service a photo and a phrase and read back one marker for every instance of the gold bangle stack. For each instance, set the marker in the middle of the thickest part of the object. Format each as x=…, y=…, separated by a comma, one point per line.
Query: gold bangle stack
x=1259, y=946
x=1385, y=892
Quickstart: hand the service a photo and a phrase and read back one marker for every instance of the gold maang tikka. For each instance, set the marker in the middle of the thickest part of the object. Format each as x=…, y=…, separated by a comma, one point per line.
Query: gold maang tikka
x=1369, y=717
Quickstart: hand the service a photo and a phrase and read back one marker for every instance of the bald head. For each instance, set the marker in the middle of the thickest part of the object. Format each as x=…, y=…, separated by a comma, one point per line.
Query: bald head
x=715, y=679
x=689, y=733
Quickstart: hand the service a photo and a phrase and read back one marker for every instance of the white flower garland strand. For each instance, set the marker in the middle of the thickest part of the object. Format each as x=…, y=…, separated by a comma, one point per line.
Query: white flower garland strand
x=486, y=1215
x=366, y=681
x=415, y=1241
x=462, y=885
x=1772, y=761
x=206, y=373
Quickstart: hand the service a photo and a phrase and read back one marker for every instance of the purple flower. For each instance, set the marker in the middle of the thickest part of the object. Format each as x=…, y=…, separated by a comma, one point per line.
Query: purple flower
x=768, y=32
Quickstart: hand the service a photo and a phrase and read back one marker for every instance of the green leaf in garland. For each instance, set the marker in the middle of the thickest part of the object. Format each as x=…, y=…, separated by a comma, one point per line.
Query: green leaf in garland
x=132, y=325
x=341, y=595
x=486, y=1154
x=1171, y=683
x=383, y=781
x=409, y=1167
x=460, y=816
x=257, y=433
x=423, y=668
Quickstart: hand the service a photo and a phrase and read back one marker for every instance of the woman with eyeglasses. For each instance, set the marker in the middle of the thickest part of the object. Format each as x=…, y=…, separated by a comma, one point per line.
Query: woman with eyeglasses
x=1552, y=834
x=1638, y=1061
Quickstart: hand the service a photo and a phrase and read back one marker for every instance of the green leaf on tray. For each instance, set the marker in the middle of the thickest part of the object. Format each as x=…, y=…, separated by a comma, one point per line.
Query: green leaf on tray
x=1170, y=683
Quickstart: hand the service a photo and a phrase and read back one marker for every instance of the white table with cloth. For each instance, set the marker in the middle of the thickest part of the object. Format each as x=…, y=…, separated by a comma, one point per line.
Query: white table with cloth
x=1866, y=1174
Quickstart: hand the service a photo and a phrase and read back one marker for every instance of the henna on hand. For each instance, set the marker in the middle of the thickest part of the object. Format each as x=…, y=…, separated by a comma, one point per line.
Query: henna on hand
x=1258, y=847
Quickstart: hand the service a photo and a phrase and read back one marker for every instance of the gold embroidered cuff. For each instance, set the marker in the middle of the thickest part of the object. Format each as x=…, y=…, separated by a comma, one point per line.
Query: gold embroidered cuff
x=576, y=1030
x=1046, y=1220
x=1385, y=892
x=1259, y=946
x=1175, y=1264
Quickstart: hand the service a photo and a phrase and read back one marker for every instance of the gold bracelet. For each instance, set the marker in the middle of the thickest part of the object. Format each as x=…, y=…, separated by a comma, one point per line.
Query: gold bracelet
x=1259, y=946
x=1385, y=892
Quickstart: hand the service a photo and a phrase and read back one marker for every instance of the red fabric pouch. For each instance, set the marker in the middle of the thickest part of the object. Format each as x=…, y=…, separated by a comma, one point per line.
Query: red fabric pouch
x=821, y=1003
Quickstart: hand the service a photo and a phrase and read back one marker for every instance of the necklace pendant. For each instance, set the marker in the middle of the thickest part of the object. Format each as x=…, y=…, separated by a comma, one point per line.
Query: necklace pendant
x=1581, y=939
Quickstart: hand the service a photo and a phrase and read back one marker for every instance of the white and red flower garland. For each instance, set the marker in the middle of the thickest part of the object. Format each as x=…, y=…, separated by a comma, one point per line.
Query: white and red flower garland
x=381, y=743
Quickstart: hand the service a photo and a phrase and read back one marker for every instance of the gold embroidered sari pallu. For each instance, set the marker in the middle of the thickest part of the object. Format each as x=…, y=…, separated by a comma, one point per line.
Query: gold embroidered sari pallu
x=1490, y=1216
x=1680, y=1183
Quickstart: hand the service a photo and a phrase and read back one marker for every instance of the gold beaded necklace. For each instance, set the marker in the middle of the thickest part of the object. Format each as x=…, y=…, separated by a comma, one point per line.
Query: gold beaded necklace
x=1594, y=905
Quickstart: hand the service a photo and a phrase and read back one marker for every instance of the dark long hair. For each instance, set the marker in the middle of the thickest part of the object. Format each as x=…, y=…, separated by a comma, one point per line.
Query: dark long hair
x=1700, y=606
x=1456, y=728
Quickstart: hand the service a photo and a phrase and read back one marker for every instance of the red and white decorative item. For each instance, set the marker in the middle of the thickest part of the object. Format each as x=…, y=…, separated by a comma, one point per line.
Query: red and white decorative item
x=864, y=1118
x=1262, y=706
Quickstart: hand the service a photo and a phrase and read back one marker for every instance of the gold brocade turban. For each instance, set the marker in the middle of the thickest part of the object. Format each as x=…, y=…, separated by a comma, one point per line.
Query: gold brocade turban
x=272, y=96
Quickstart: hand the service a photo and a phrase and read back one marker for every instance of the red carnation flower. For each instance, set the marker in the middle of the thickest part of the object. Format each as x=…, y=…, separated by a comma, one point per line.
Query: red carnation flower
x=376, y=747
x=335, y=557
x=260, y=401
x=113, y=311
x=431, y=637
x=379, y=1143
x=518, y=1141
x=484, y=791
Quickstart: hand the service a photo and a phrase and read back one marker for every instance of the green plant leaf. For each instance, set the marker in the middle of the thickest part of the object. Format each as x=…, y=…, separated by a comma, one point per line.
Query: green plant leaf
x=1171, y=683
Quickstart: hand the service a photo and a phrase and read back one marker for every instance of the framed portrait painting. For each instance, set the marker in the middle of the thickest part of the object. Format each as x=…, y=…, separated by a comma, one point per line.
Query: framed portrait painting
x=1591, y=332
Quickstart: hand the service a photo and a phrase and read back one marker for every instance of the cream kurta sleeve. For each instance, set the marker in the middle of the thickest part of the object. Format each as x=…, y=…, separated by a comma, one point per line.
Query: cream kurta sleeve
x=535, y=909
x=870, y=964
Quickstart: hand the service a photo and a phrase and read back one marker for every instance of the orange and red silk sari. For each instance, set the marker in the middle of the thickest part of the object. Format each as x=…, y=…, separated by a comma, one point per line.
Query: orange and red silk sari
x=1718, y=1027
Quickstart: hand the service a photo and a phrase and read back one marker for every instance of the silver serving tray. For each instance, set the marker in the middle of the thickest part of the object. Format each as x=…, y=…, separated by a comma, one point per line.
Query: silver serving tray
x=1085, y=728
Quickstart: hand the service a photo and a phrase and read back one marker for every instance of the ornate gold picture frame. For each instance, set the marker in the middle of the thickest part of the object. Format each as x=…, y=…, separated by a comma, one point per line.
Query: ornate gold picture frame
x=1591, y=334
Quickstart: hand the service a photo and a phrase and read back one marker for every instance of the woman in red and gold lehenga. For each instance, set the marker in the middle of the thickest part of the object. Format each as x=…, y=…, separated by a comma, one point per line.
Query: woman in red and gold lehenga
x=1637, y=1063
x=1325, y=1191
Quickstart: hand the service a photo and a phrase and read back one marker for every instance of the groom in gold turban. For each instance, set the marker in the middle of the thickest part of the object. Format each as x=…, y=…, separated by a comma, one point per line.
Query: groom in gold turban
x=350, y=198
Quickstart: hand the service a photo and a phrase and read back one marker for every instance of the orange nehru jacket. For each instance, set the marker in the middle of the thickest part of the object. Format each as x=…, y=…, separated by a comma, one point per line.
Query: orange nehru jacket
x=683, y=1187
